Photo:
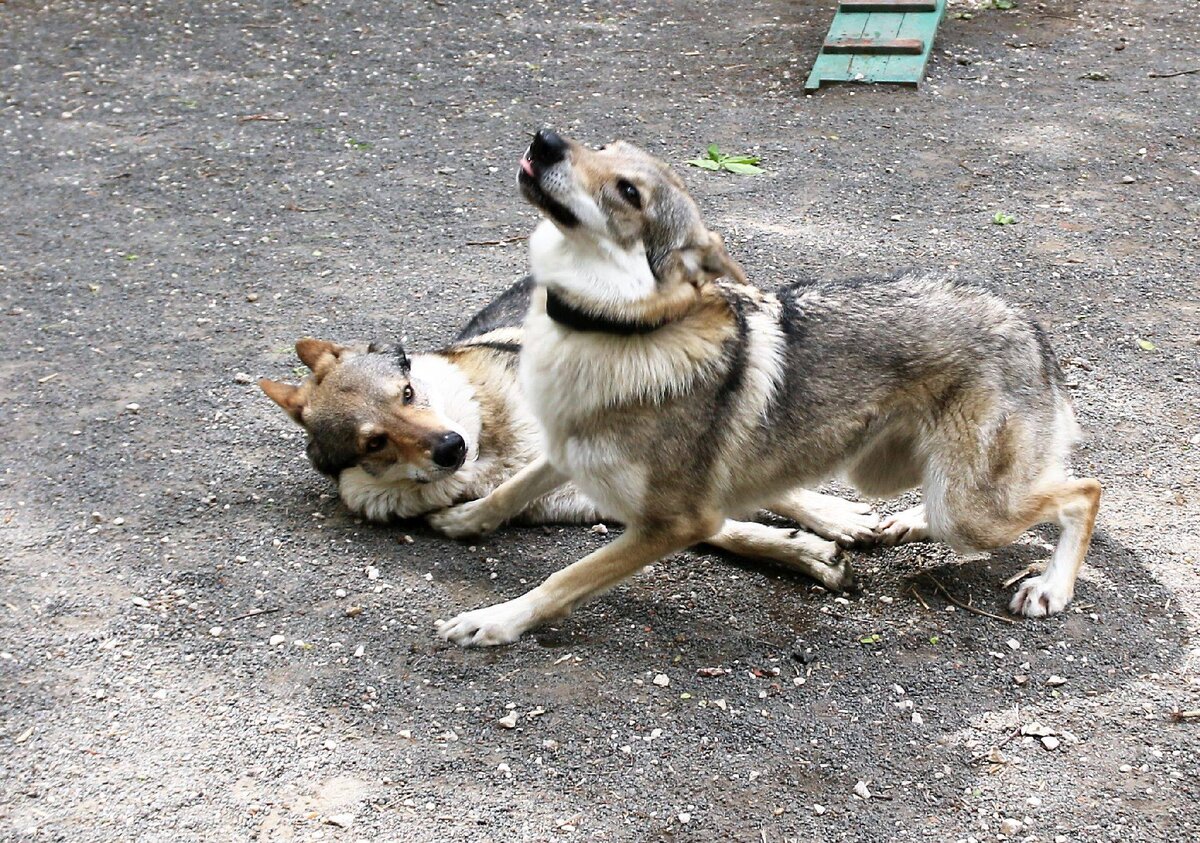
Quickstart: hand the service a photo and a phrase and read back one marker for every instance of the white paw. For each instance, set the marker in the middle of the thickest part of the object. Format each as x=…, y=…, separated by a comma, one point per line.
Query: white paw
x=847, y=523
x=833, y=571
x=1040, y=596
x=463, y=521
x=903, y=527
x=500, y=624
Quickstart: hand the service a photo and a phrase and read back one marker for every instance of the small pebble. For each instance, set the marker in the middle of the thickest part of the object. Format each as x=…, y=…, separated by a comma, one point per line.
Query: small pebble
x=1013, y=644
x=662, y=680
x=1050, y=742
x=133, y=407
x=1010, y=827
x=600, y=530
x=1127, y=179
x=216, y=630
x=118, y=521
x=251, y=297
x=685, y=817
x=242, y=377
x=276, y=640
x=359, y=650
x=508, y=721
x=354, y=611
x=861, y=790
x=372, y=572
x=1056, y=680
x=818, y=809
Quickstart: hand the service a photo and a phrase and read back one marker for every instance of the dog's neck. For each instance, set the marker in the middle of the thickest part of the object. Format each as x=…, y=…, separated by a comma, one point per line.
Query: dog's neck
x=597, y=287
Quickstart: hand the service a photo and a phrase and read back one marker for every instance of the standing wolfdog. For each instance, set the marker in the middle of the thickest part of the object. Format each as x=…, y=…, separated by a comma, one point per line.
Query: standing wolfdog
x=676, y=400
x=405, y=436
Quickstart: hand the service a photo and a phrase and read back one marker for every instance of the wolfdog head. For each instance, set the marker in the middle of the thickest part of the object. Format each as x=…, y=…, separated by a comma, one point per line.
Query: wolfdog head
x=621, y=228
x=362, y=408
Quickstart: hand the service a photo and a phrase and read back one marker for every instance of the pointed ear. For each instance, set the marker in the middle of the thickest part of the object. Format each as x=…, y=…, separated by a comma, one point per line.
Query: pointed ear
x=291, y=398
x=319, y=355
x=699, y=263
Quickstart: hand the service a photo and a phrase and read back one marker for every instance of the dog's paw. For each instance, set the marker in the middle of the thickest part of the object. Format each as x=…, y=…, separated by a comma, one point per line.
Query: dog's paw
x=464, y=521
x=845, y=522
x=1040, y=596
x=503, y=623
x=837, y=574
x=903, y=527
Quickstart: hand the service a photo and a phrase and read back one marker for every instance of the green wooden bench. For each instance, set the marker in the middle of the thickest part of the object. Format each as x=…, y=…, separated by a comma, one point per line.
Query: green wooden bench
x=878, y=41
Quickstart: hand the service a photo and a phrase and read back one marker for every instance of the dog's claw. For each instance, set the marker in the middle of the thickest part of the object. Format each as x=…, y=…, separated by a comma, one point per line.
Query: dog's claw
x=1039, y=597
x=493, y=626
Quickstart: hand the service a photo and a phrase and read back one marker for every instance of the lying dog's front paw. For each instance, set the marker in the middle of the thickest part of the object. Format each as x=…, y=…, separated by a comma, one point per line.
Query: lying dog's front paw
x=1039, y=597
x=463, y=521
x=503, y=623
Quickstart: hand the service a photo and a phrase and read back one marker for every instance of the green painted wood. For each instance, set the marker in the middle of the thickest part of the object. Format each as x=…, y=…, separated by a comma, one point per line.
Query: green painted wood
x=881, y=26
x=859, y=67
x=888, y=5
x=837, y=66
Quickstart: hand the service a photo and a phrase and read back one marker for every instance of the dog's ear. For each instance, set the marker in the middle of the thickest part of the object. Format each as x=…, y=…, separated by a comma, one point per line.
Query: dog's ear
x=699, y=263
x=291, y=398
x=319, y=355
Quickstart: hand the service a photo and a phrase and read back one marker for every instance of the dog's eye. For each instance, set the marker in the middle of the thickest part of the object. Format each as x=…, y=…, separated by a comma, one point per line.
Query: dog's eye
x=376, y=442
x=629, y=193
x=408, y=394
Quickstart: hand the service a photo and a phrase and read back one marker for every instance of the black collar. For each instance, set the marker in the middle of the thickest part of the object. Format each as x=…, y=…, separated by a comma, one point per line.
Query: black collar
x=569, y=316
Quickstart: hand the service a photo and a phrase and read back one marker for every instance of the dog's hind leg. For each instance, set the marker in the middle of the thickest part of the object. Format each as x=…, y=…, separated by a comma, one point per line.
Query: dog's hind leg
x=594, y=574
x=794, y=549
x=845, y=522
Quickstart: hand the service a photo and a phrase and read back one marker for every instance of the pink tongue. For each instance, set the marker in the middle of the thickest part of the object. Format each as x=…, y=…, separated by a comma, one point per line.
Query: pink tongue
x=527, y=166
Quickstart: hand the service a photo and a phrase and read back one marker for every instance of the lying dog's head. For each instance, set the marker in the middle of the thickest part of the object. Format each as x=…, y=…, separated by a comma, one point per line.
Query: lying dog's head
x=626, y=207
x=362, y=408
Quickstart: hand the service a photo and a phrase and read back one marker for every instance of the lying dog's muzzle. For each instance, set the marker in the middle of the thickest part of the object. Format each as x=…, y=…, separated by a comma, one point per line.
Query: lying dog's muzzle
x=449, y=452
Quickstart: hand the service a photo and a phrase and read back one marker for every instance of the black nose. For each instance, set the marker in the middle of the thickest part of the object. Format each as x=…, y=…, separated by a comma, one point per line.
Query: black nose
x=450, y=451
x=547, y=149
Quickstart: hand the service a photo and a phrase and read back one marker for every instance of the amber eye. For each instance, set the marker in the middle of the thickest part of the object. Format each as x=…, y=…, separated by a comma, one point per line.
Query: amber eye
x=408, y=394
x=629, y=193
x=376, y=442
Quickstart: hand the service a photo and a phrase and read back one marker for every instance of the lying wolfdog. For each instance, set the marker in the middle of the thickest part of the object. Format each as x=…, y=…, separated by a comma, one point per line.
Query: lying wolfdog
x=404, y=437
x=676, y=400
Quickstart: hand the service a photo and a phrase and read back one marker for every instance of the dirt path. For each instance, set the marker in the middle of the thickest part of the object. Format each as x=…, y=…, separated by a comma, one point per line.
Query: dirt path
x=188, y=187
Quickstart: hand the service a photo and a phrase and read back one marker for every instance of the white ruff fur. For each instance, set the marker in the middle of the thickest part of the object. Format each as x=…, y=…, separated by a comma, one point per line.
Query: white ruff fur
x=599, y=272
x=404, y=492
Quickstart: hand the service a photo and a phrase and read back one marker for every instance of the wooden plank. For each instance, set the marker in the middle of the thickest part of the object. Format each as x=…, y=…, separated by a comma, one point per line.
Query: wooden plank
x=832, y=66
x=888, y=5
x=908, y=69
x=873, y=66
x=881, y=26
x=875, y=47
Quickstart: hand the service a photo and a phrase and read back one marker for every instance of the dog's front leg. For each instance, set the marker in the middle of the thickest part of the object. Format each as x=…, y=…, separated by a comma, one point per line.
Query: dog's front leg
x=562, y=591
x=476, y=518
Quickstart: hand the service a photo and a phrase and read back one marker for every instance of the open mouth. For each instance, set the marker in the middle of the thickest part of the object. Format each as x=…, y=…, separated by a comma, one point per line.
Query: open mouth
x=531, y=189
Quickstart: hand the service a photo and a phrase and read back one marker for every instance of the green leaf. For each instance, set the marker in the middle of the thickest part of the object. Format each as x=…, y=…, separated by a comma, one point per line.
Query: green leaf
x=1002, y=218
x=741, y=159
x=741, y=169
x=714, y=152
x=933, y=639
x=1146, y=345
x=704, y=163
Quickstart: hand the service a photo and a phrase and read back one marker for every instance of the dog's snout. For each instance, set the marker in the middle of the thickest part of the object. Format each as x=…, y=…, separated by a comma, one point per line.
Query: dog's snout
x=450, y=451
x=548, y=148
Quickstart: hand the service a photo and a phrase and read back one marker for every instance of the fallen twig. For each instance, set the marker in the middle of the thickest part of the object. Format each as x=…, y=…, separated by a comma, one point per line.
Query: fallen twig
x=920, y=599
x=513, y=239
x=1020, y=575
x=294, y=207
x=1180, y=716
x=254, y=613
x=967, y=606
x=1156, y=75
x=264, y=118
x=975, y=759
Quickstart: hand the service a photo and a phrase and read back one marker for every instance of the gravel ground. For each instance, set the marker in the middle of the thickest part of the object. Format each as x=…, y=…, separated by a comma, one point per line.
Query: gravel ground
x=199, y=644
